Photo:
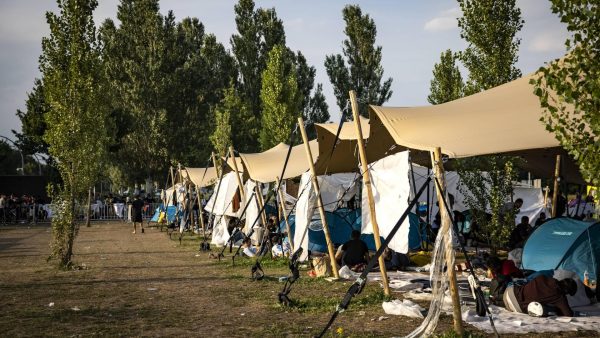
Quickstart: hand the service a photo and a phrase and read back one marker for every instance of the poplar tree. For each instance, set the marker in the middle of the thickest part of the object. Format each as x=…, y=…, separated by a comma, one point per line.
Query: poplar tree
x=490, y=28
x=569, y=88
x=361, y=68
x=447, y=83
x=280, y=97
x=77, y=116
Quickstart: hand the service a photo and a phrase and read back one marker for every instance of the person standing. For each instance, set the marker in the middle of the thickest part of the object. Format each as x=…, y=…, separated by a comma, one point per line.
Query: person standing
x=136, y=212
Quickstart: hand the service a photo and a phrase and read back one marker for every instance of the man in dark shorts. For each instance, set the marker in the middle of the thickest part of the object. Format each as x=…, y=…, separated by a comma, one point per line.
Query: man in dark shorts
x=354, y=253
x=136, y=212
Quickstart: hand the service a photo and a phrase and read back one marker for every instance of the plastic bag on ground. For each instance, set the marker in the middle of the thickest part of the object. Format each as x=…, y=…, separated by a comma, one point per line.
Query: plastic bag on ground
x=403, y=308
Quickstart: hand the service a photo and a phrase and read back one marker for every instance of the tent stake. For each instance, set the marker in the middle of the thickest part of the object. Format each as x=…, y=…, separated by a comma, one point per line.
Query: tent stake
x=555, y=192
x=285, y=216
x=315, y=183
x=367, y=182
x=445, y=230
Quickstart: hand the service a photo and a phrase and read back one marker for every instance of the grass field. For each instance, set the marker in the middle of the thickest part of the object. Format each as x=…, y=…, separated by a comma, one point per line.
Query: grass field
x=149, y=285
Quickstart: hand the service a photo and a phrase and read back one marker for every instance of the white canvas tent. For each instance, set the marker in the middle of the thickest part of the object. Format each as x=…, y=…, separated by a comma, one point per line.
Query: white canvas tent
x=220, y=204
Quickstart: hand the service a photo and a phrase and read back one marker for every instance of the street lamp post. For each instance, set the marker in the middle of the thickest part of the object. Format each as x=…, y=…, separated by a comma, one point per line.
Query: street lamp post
x=20, y=152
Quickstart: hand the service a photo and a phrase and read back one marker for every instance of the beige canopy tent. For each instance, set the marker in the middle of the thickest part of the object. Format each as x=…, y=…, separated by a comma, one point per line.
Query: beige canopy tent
x=198, y=176
x=503, y=119
x=265, y=167
x=345, y=157
x=239, y=164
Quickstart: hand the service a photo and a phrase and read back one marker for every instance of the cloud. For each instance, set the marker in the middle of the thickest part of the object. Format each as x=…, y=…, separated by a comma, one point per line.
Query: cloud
x=548, y=43
x=444, y=22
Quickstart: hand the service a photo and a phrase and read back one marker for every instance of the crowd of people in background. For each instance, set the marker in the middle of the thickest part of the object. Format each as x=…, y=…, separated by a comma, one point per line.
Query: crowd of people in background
x=24, y=208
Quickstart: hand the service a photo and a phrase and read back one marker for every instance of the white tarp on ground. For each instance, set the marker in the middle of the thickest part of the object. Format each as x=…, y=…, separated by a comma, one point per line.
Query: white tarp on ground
x=223, y=205
x=506, y=322
x=391, y=191
x=334, y=188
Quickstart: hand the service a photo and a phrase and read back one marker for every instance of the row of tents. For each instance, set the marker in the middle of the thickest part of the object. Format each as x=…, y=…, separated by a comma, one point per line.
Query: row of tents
x=391, y=154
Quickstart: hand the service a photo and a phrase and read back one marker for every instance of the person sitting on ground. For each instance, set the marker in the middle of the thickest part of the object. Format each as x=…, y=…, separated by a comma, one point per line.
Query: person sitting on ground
x=249, y=249
x=541, y=220
x=547, y=291
x=520, y=233
x=354, y=253
x=395, y=260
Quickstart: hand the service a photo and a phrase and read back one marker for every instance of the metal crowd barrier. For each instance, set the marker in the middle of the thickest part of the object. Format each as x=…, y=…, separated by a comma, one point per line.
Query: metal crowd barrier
x=40, y=213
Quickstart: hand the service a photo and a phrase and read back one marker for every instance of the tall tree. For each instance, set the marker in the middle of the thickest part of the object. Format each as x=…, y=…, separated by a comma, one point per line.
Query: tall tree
x=77, y=116
x=221, y=137
x=33, y=122
x=490, y=28
x=361, y=70
x=243, y=124
x=569, y=88
x=257, y=32
x=280, y=97
x=447, y=83
x=133, y=55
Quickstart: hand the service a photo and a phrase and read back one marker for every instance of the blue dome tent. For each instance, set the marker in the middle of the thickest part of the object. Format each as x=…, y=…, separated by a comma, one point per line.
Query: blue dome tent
x=564, y=243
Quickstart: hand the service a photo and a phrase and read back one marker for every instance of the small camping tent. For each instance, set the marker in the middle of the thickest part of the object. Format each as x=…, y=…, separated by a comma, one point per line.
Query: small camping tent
x=564, y=243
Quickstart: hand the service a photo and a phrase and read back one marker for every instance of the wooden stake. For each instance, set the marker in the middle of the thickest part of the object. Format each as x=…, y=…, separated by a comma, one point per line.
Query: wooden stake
x=438, y=167
x=555, y=193
x=367, y=181
x=285, y=217
x=315, y=183
x=237, y=175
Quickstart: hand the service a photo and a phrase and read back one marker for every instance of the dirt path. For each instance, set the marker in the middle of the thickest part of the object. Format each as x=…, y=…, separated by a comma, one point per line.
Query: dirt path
x=148, y=285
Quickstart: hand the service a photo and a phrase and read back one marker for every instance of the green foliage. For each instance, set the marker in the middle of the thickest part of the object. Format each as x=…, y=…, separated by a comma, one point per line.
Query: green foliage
x=490, y=28
x=447, y=83
x=316, y=111
x=280, y=97
x=242, y=123
x=77, y=117
x=33, y=122
x=487, y=193
x=361, y=69
x=221, y=138
x=569, y=88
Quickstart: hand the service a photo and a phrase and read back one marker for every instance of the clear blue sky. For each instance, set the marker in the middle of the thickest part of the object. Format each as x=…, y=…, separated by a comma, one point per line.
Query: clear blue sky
x=413, y=33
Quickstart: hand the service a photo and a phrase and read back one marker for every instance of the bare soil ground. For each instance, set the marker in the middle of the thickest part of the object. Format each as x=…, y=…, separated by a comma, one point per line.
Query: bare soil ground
x=149, y=285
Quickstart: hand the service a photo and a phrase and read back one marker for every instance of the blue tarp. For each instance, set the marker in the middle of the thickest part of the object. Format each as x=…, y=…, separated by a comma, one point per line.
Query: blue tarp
x=171, y=212
x=341, y=223
x=564, y=243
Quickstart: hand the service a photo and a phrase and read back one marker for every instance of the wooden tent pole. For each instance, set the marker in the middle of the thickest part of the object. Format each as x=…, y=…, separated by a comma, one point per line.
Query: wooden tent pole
x=445, y=230
x=315, y=183
x=367, y=182
x=261, y=203
x=200, y=211
x=285, y=217
x=555, y=192
x=217, y=167
x=237, y=174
